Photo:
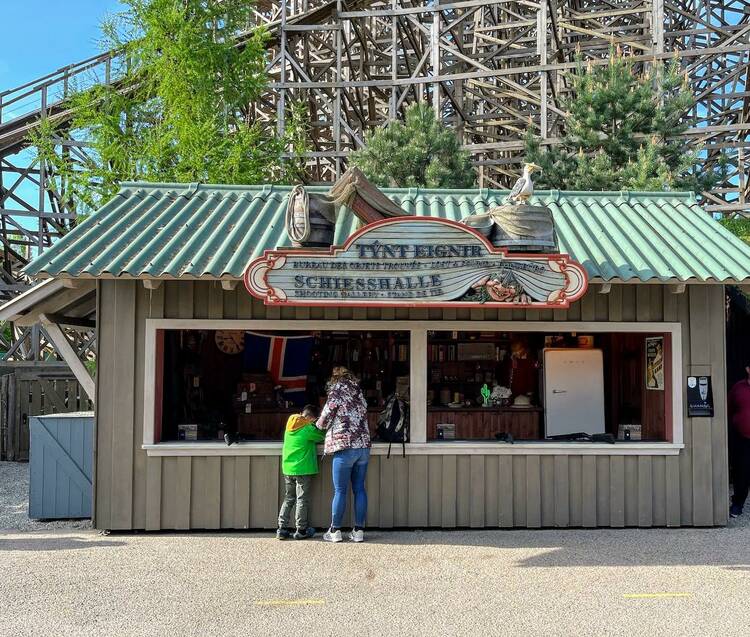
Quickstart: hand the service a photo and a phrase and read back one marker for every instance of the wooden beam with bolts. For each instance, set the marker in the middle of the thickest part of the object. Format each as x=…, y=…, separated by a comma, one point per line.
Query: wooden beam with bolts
x=65, y=349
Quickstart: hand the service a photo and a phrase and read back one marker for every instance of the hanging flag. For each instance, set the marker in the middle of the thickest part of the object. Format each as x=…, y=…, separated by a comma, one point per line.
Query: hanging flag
x=286, y=358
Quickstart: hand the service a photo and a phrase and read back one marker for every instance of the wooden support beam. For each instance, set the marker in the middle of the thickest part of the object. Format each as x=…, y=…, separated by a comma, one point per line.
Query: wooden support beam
x=55, y=304
x=64, y=348
x=72, y=321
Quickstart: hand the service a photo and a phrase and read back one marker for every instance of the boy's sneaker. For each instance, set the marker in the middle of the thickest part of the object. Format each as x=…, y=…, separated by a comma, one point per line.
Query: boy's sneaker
x=357, y=535
x=304, y=534
x=735, y=511
x=282, y=534
x=332, y=536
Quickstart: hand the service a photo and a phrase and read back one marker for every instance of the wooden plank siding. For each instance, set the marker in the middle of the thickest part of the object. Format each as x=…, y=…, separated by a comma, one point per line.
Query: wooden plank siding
x=140, y=492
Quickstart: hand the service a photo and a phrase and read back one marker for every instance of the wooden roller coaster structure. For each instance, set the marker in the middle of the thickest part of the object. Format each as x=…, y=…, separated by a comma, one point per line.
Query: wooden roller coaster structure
x=491, y=69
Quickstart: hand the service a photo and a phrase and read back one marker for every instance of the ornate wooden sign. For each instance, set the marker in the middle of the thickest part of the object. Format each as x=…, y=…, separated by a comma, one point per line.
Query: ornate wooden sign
x=415, y=261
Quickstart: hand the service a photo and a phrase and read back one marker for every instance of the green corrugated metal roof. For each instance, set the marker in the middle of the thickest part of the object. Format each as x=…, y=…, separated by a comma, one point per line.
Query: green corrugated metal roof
x=182, y=230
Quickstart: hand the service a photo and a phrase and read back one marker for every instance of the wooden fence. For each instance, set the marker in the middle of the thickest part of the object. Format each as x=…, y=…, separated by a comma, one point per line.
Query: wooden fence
x=33, y=390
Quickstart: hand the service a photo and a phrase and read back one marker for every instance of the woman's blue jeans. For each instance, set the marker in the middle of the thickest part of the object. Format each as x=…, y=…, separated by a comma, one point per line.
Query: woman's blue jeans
x=349, y=465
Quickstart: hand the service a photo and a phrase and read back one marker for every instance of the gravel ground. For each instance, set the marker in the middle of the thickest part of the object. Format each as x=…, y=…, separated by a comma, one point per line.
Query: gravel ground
x=14, y=502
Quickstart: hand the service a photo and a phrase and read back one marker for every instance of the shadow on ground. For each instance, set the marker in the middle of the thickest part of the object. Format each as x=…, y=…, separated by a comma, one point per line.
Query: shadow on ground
x=50, y=543
x=596, y=547
x=545, y=548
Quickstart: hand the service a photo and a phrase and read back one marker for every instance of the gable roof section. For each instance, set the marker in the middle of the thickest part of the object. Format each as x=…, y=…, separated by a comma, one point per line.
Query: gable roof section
x=204, y=231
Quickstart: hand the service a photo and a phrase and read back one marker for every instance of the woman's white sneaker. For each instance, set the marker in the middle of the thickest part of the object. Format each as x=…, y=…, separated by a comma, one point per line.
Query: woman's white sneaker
x=357, y=536
x=332, y=536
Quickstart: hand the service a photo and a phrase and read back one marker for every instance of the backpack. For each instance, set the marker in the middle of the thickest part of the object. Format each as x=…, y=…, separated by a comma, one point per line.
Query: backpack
x=393, y=423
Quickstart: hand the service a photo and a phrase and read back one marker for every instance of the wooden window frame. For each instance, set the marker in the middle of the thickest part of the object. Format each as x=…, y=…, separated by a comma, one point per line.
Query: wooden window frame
x=418, y=389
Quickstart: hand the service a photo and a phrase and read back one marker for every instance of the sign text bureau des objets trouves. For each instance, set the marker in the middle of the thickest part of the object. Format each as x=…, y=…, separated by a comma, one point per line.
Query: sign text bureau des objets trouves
x=415, y=261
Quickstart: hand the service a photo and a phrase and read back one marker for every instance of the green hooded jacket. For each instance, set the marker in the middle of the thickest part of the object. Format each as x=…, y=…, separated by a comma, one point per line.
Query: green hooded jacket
x=298, y=456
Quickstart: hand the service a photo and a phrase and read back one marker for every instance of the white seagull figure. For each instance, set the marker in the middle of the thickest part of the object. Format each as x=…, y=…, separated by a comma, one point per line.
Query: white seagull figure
x=524, y=187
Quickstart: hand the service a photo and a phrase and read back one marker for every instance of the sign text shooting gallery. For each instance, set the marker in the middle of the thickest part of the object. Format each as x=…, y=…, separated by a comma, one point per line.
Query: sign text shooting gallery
x=420, y=261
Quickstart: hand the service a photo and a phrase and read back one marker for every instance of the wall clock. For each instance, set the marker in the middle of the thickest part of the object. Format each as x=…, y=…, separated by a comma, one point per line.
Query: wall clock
x=230, y=341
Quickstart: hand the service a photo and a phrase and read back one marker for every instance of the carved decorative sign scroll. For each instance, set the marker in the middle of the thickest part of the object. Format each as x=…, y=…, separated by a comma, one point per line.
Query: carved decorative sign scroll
x=415, y=261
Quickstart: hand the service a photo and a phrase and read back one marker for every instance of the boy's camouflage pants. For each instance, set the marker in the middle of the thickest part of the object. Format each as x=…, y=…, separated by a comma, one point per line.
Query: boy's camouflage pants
x=296, y=496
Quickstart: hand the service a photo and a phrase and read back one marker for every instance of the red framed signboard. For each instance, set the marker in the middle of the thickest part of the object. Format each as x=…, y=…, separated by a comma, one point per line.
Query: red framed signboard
x=415, y=262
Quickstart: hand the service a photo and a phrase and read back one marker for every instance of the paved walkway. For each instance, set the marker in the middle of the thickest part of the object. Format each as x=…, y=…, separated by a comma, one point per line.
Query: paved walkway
x=72, y=581
x=630, y=582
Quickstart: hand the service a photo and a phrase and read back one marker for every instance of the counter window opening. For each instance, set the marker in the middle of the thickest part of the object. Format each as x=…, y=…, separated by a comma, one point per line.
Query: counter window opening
x=471, y=384
x=248, y=382
x=549, y=386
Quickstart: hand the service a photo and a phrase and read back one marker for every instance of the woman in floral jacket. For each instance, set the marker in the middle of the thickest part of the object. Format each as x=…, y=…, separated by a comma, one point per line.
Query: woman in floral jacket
x=344, y=417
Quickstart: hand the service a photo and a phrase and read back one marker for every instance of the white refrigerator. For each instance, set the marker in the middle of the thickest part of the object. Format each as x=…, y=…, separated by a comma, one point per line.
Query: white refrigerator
x=573, y=391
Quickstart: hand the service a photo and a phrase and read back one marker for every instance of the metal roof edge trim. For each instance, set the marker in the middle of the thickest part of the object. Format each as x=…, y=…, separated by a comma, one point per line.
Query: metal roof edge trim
x=634, y=280
x=183, y=186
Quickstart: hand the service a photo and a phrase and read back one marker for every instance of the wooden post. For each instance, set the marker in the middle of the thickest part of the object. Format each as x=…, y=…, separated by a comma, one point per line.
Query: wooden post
x=338, y=91
x=280, y=105
x=35, y=344
x=657, y=25
x=14, y=417
x=435, y=55
x=42, y=179
x=418, y=385
x=394, y=64
x=542, y=49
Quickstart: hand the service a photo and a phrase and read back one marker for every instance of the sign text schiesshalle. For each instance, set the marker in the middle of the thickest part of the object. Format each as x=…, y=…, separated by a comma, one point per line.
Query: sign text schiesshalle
x=415, y=261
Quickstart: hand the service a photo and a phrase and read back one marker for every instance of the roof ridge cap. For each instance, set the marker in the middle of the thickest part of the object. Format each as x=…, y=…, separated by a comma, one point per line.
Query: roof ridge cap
x=624, y=193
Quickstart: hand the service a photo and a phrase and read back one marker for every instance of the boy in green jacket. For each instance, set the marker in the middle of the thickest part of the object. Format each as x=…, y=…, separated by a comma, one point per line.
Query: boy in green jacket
x=299, y=463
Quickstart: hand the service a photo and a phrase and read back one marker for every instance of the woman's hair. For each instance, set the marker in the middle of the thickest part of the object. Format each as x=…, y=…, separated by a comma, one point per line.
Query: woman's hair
x=339, y=373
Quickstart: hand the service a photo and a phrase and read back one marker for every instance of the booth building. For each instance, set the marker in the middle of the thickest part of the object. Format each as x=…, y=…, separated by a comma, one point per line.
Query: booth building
x=623, y=340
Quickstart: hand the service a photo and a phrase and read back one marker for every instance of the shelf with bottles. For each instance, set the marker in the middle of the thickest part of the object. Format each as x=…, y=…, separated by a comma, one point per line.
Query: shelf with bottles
x=349, y=348
x=377, y=358
x=467, y=352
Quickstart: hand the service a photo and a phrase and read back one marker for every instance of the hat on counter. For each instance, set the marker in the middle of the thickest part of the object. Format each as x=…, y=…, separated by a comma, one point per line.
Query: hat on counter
x=522, y=400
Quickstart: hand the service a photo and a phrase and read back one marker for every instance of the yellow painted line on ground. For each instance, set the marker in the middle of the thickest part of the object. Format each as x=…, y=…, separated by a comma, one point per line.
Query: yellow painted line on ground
x=290, y=602
x=654, y=595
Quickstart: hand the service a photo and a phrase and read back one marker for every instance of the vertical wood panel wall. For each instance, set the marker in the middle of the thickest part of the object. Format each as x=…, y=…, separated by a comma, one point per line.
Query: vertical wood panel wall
x=134, y=491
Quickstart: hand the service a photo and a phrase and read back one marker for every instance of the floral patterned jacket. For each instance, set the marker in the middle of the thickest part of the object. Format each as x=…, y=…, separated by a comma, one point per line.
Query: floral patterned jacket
x=344, y=417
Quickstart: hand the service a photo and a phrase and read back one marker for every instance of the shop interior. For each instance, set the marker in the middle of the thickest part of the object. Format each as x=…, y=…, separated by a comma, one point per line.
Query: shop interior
x=540, y=386
x=247, y=383
x=481, y=386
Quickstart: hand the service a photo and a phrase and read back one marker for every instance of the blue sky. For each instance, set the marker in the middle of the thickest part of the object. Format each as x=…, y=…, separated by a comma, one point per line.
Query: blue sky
x=40, y=36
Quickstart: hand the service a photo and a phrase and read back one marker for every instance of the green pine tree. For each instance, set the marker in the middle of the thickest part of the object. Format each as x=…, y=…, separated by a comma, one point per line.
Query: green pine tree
x=183, y=110
x=622, y=132
x=739, y=226
x=420, y=151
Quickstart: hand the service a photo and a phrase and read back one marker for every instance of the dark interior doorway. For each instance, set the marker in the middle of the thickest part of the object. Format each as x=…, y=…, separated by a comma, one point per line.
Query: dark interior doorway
x=738, y=350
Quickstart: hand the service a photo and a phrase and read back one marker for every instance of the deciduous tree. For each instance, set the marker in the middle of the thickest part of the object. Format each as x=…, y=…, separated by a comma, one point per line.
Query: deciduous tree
x=183, y=107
